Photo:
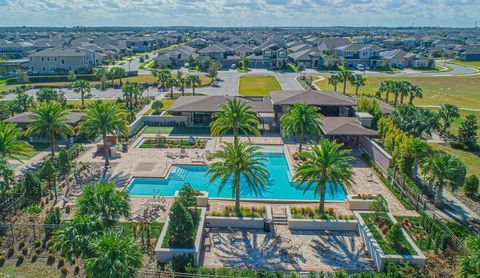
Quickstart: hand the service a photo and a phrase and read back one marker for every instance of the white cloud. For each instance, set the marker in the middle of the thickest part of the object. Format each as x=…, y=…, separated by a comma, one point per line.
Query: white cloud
x=239, y=12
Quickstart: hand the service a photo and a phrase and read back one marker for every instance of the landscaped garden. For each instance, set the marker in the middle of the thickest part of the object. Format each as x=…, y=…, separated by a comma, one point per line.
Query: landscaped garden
x=388, y=235
x=164, y=143
x=245, y=211
x=314, y=213
x=258, y=85
x=177, y=130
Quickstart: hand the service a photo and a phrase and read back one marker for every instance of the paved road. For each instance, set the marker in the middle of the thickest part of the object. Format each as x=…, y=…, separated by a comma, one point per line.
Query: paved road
x=456, y=70
x=135, y=64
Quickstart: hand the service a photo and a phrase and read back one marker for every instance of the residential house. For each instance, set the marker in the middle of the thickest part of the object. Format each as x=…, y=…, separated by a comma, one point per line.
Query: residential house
x=469, y=53
x=55, y=60
x=16, y=50
x=215, y=52
x=269, y=55
x=401, y=59
x=176, y=57
x=353, y=55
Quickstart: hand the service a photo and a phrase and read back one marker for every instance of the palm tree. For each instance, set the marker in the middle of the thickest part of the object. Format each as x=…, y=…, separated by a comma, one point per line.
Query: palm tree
x=358, y=81
x=104, y=201
x=81, y=87
x=193, y=81
x=48, y=122
x=345, y=75
x=397, y=88
x=470, y=264
x=163, y=77
x=442, y=169
x=181, y=82
x=104, y=118
x=11, y=147
x=114, y=255
x=24, y=101
x=117, y=73
x=333, y=80
x=236, y=116
x=171, y=83
x=386, y=86
x=128, y=90
x=7, y=175
x=301, y=120
x=138, y=92
x=418, y=150
x=326, y=164
x=446, y=114
x=405, y=89
x=415, y=92
x=74, y=240
x=237, y=161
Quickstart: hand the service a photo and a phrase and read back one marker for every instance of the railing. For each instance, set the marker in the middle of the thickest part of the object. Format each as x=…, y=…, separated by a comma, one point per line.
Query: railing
x=422, y=205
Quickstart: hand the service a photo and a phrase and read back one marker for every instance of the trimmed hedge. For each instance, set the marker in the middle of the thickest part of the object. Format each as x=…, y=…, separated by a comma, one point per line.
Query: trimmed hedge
x=63, y=78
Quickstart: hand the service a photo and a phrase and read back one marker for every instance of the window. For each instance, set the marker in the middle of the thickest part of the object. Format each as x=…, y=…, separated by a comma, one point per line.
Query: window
x=48, y=59
x=43, y=59
x=55, y=59
x=63, y=61
x=43, y=68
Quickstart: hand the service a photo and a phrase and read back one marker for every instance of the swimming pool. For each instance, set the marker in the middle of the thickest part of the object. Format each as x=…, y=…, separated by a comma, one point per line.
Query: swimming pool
x=279, y=184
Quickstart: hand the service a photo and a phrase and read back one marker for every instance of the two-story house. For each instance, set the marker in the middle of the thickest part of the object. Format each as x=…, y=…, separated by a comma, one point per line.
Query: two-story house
x=61, y=60
x=273, y=55
x=353, y=55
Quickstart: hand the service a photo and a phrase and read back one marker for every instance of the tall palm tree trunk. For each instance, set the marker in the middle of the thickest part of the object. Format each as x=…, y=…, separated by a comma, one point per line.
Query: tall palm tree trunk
x=395, y=100
x=356, y=90
x=300, y=142
x=171, y=92
x=344, y=85
x=82, y=95
x=321, y=207
x=335, y=87
x=193, y=90
x=106, y=150
x=236, y=184
x=52, y=144
x=410, y=100
x=387, y=96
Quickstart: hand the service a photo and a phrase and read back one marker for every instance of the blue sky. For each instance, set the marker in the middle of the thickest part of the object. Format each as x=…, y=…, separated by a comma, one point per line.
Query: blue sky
x=455, y=13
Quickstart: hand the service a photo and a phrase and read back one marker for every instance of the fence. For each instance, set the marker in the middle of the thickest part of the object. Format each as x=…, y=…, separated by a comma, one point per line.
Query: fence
x=11, y=203
x=421, y=205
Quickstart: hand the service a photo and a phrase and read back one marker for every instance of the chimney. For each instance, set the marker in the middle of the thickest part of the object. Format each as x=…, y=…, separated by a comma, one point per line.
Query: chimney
x=365, y=119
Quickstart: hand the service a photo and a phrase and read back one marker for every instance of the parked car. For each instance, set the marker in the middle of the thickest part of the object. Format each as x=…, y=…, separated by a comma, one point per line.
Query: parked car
x=360, y=67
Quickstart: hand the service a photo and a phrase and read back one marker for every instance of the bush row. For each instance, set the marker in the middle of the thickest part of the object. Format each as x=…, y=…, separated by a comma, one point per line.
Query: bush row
x=63, y=78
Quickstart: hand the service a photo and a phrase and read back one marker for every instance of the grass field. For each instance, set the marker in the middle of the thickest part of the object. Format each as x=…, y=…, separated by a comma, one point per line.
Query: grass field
x=457, y=122
x=78, y=102
x=258, y=85
x=470, y=160
x=475, y=64
x=462, y=91
x=174, y=130
x=29, y=270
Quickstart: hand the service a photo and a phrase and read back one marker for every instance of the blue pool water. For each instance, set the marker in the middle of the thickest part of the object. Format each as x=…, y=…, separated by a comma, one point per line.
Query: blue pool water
x=279, y=184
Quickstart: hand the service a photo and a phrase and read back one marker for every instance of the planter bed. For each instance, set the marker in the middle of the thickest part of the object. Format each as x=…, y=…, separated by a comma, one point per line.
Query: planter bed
x=164, y=253
x=299, y=221
x=427, y=234
x=376, y=242
x=360, y=202
x=239, y=222
x=202, y=198
x=168, y=144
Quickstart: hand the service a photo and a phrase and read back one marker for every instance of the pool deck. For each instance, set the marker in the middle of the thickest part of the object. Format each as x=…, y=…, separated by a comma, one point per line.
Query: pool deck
x=155, y=163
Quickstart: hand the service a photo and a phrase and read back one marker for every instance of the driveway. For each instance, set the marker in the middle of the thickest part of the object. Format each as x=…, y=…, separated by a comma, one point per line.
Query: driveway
x=135, y=64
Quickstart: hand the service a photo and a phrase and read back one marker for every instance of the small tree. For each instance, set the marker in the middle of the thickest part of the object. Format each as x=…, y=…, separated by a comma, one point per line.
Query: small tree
x=22, y=77
x=48, y=173
x=71, y=76
x=471, y=185
x=32, y=187
x=187, y=196
x=63, y=163
x=467, y=133
x=157, y=106
x=181, y=227
x=378, y=205
x=52, y=218
x=394, y=235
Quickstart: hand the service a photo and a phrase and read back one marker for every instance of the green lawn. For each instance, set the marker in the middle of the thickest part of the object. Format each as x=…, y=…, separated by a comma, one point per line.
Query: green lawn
x=78, y=102
x=170, y=130
x=474, y=64
x=457, y=122
x=462, y=91
x=470, y=159
x=258, y=85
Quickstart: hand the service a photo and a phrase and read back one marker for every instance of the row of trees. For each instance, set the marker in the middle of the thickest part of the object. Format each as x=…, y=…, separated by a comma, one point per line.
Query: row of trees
x=168, y=81
x=439, y=169
x=327, y=163
x=344, y=76
x=402, y=89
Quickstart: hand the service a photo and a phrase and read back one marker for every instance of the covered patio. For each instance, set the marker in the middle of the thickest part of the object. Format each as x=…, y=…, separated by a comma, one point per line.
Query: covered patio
x=284, y=250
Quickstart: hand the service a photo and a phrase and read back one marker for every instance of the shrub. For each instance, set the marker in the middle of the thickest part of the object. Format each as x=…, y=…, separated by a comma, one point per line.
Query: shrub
x=61, y=262
x=25, y=250
x=187, y=196
x=458, y=145
x=76, y=270
x=64, y=271
x=34, y=258
x=38, y=251
x=10, y=251
x=20, y=259
x=378, y=205
x=394, y=235
x=37, y=243
x=52, y=218
x=2, y=260
x=51, y=258
x=471, y=185
x=245, y=211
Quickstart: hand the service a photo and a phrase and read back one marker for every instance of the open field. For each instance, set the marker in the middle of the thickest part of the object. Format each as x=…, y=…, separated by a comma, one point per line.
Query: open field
x=471, y=160
x=474, y=64
x=258, y=85
x=462, y=91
